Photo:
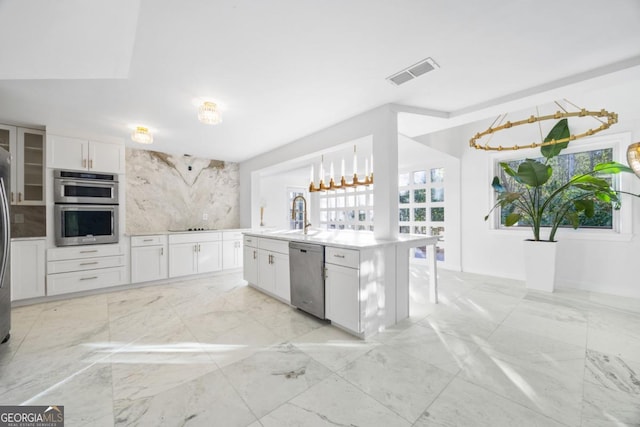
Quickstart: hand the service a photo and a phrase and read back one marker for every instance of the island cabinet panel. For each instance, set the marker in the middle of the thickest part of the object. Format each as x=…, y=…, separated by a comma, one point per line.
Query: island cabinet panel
x=250, y=265
x=342, y=296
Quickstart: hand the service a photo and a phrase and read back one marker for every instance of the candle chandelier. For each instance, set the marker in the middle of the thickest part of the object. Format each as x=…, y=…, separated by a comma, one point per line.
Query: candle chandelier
x=343, y=184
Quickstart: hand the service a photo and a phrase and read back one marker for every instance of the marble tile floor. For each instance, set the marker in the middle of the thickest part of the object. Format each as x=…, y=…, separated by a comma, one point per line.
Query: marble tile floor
x=215, y=352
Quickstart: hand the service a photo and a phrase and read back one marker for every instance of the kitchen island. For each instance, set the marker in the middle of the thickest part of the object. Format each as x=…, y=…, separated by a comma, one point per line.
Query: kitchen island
x=366, y=279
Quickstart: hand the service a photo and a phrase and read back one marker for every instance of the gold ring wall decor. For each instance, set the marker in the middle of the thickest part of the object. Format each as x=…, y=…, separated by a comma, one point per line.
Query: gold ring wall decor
x=611, y=119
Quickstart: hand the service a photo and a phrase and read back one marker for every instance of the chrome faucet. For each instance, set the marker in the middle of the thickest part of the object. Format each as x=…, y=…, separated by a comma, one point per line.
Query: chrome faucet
x=304, y=209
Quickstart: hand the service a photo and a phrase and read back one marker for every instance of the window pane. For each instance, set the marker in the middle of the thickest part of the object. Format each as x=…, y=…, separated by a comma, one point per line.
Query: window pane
x=437, y=214
x=421, y=229
x=439, y=254
x=420, y=214
x=323, y=216
x=420, y=252
x=420, y=196
x=420, y=177
x=351, y=215
x=323, y=202
x=340, y=202
x=362, y=216
x=332, y=202
x=437, y=175
x=370, y=215
x=404, y=196
x=351, y=201
x=404, y=215
x=564, y=167
x=437, y=194
x=403, y=179
x=404, y=229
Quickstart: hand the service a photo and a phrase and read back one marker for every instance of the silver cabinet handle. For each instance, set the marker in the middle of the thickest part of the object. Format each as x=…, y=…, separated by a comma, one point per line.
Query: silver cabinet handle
x=89, y=278
x=91, y=164
x=148, y=240
x=89, y=263
x=84, y=163
x=19, y=197
x=254, y=254
x=89, y=252
x=195, y=248
x=338, y=256
x=12, y=197
x=161, y=251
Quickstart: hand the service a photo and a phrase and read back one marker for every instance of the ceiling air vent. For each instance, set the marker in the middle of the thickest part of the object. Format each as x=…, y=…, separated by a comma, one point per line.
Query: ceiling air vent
x=413, y=71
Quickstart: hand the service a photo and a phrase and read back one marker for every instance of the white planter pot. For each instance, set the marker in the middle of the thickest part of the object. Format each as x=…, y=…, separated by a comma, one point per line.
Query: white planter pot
x=540, y=265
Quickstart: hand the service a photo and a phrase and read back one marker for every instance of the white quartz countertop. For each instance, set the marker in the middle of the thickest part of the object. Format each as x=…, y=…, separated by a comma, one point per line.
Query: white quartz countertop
x=161, y=233
x=344, y=238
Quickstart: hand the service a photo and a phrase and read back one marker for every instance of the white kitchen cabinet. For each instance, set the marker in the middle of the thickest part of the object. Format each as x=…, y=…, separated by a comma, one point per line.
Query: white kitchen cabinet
x=250, y=265
x=83, y=268
x=193, y=253
x=232, y=252
x=27, y=269
x=27, y=147
x=81, y=154
x=209, y=257
x=148, y=258
x=342, y=296
x=183, y=259
x=273, y=268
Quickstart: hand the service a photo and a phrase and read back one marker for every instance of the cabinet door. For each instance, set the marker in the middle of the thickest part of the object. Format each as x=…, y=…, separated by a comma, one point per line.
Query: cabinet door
x=250, y=265
x=182, y=259
x=209, y=257
x=67, y=153
x=231, y=254
x=148, y=263
x=27, y=269
x=342, y=304
x=30, y=167
x=280, y=263
x=266, y=272
x=105, y=157
x=8, y=141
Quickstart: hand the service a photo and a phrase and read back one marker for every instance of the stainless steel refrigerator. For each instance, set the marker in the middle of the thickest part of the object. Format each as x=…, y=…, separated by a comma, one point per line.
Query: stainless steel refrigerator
x=5, y=246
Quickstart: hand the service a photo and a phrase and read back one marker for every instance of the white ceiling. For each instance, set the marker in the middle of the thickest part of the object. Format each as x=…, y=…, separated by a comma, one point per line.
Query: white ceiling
x=283, y=69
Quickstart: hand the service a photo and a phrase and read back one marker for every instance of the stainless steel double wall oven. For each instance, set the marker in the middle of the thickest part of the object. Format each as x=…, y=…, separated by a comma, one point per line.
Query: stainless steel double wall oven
x=86, y=208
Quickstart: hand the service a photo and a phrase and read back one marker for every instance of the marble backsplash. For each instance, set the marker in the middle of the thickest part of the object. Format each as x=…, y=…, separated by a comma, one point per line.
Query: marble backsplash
x=28, y=221
x=167, y=192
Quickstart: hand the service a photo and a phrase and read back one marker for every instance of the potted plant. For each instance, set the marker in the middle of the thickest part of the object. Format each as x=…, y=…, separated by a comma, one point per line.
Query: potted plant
x=536, y=199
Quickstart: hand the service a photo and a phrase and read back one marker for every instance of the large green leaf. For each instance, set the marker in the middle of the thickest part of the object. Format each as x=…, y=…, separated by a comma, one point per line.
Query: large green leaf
x=512, y=219
x=510, y=172
x=612, y=167
x=533, y=173
x=559, y=131
x=585, y=205
x=574, y=219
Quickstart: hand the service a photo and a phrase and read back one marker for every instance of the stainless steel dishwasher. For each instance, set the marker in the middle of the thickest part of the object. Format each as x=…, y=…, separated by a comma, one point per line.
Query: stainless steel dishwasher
x=306, y=265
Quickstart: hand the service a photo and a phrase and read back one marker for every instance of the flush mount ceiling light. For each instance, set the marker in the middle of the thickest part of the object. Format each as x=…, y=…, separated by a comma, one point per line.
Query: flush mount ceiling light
x=416, y=70
x=497, y=126
x=633, y=157
x=142, y=135
x=208, y=113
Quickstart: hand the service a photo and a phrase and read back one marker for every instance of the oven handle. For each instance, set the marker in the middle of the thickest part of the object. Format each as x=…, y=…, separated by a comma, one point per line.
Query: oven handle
x=86, y=181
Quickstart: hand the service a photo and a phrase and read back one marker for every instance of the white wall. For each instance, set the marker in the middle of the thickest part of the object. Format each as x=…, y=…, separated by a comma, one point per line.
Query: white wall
x=608, y=266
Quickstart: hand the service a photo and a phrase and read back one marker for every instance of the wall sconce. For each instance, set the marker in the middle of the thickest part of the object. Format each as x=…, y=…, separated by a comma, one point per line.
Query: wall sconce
x=633, y=157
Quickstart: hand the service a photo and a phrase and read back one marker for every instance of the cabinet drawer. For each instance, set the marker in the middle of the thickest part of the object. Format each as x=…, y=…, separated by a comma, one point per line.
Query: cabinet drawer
x=195, y=237
x=67, y=266
x=344, y=257
x=85, y=280
x=160, y=239
x=88, y=251
x=250, y=241
x=274, y=245
x=232, y=235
